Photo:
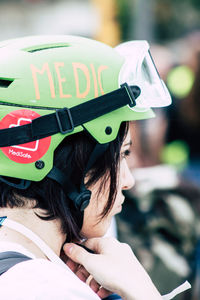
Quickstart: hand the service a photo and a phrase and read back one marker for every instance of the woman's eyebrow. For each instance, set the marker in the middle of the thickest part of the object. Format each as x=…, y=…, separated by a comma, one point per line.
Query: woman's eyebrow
x=128, y=144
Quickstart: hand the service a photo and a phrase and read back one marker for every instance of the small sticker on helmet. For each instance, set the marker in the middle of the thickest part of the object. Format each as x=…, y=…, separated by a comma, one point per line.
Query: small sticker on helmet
x=28, y=152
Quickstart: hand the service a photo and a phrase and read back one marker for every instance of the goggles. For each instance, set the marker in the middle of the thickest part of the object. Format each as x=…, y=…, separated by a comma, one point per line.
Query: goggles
x=139, y=70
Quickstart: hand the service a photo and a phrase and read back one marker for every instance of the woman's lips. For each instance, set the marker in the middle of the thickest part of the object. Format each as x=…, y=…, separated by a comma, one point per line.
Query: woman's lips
x=119, y=207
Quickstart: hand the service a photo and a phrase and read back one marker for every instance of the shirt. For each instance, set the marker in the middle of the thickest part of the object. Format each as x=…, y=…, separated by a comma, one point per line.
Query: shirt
x=39, y=279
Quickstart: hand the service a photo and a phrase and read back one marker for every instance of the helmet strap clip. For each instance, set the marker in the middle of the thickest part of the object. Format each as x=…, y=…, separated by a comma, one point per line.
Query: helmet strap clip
x=69, y=118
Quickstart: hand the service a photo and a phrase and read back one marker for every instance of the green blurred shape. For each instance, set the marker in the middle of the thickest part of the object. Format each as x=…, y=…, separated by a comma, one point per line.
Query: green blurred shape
x=180, y=81
x=175, y=153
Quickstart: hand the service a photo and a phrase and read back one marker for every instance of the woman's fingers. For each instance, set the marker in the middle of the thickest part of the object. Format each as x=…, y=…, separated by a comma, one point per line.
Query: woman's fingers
x=103, y=293
x=79, y=270
x=115, y=267
x=72, y=265
x=76, y=253
x=94, y=285
x=98, y=289
x=82, y=273
x=101, y=245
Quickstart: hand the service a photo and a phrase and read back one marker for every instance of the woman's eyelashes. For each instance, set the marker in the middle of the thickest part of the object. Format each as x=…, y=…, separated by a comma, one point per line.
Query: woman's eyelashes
x=125, y=153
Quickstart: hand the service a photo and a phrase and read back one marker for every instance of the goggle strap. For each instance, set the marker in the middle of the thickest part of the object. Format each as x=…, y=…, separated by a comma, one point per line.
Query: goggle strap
x=66, y=119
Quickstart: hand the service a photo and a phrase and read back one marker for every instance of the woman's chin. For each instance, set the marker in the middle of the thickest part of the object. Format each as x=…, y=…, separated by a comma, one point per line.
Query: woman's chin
x=95, y=232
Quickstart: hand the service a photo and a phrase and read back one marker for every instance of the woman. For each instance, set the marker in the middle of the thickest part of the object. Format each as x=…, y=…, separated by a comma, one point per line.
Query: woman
x=65, y=106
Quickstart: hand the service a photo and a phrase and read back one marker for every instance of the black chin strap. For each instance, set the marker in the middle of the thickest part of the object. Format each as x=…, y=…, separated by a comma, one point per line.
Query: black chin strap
x=20, y=184
x=80, y=197
x=66, y=119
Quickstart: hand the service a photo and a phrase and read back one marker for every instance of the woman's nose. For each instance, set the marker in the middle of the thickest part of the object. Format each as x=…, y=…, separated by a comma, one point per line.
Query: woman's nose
x=128, y=179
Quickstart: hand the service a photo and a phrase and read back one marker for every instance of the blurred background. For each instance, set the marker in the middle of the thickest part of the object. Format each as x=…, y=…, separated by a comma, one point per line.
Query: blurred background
x=160, y=218
x=111, y=20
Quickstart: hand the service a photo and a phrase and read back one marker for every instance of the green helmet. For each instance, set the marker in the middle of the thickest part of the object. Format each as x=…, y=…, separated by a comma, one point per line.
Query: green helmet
x=54, y=86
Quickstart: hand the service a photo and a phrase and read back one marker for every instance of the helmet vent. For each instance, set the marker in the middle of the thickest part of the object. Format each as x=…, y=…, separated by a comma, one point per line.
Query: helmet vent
x=4, y=83
x=45, y=47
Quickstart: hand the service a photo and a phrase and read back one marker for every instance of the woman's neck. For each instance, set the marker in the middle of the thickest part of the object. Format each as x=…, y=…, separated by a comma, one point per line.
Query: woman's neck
x=48, y=231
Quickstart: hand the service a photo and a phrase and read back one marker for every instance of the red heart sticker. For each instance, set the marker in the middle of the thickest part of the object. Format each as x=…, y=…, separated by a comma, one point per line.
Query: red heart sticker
x=28, y=152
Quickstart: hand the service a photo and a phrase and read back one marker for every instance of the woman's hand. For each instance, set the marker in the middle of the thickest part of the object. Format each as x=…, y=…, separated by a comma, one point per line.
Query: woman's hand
x=113, y=266
x=84, y=275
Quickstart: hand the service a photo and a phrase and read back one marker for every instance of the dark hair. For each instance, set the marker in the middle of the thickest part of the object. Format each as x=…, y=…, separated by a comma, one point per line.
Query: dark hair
x=72, y=154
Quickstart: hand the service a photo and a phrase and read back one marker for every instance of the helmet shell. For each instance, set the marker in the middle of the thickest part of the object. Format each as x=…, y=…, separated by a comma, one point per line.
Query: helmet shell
x=43, y=73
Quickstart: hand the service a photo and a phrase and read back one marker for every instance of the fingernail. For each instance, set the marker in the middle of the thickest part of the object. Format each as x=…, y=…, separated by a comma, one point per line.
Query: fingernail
x=68, y=248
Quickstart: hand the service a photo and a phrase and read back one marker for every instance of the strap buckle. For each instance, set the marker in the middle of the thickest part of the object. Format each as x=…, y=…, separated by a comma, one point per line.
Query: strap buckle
x=69, y=116
x=133, y=92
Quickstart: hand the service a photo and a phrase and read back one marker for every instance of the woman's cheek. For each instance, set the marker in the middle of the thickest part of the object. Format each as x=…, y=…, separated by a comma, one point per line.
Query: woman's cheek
x=92, y=229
